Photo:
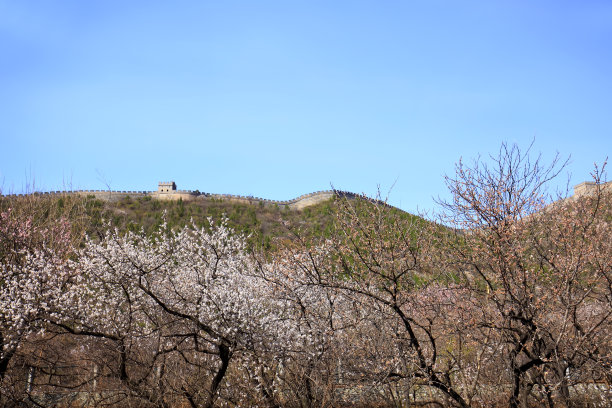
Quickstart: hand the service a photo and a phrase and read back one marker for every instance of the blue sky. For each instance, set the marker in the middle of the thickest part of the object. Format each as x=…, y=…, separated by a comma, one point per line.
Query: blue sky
x=280, y=98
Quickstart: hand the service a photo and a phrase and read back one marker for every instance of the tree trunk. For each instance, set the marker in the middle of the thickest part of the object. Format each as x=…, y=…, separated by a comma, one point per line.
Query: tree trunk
x=225, y=355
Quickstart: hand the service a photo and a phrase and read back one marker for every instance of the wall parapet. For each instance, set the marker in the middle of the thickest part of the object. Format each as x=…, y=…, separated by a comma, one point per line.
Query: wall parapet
x=297, y=203
x=189, y=195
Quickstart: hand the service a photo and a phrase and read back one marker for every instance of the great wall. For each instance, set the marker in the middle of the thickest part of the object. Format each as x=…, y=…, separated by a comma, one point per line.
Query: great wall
x=168, y=191
x=589, y=187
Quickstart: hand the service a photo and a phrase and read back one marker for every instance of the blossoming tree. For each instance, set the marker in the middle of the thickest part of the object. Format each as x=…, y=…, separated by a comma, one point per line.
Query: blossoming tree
x=32, y=278
x=540, y=271
x=177, y=308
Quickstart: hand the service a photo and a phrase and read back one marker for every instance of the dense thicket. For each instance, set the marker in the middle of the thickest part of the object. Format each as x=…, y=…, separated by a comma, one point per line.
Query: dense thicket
x=505, y=301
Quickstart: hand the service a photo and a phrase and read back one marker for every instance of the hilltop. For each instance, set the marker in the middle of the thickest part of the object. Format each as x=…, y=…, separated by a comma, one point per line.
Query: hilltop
x=264, y=221
x=167, y=191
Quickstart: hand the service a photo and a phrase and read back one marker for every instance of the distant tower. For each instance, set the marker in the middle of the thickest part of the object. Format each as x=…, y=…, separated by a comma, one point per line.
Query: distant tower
x=590, y=187
x=166, y=187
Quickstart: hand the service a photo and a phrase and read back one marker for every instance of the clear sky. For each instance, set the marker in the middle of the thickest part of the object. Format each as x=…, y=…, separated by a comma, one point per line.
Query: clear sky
x=280, y=98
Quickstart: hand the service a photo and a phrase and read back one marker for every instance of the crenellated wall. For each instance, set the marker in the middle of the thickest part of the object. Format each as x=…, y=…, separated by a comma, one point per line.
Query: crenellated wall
x=168, y=191
x=99, y=194
x=298, y=203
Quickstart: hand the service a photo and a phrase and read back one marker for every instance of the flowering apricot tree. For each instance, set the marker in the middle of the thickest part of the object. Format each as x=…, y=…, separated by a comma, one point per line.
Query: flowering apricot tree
x=539, y=270
x=388, y=265
x=32, y=277
x=512, y=305
x=178, y=308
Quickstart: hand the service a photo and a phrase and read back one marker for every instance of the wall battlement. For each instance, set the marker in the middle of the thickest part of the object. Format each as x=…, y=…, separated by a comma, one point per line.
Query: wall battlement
x=168, y=191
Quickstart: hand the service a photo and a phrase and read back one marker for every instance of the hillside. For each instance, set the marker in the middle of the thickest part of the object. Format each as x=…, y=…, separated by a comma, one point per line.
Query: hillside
x=264, y=222
x=384, y=287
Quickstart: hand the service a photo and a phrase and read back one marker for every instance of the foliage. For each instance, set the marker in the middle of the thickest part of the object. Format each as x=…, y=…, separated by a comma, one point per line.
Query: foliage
x=263, y=225
x=506, y=301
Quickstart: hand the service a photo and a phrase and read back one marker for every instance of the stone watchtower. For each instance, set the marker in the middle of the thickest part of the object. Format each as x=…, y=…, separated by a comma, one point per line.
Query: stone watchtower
x=590, y=187
x=168, y=187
